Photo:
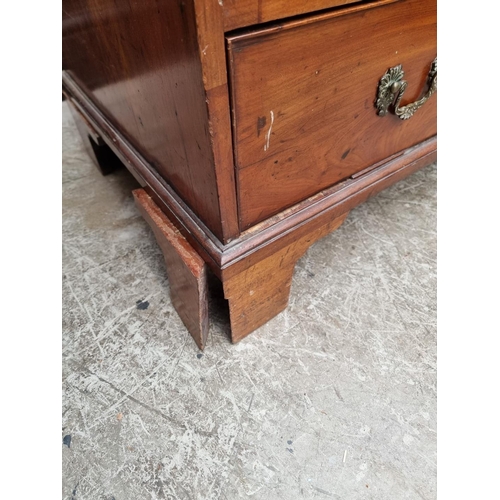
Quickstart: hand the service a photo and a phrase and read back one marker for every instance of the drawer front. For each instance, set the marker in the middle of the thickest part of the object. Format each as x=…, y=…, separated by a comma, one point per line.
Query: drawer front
x=303, y=100
x=239, y=13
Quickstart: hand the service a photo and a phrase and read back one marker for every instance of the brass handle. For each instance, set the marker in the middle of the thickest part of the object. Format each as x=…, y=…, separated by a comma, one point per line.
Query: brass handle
x=392, y=87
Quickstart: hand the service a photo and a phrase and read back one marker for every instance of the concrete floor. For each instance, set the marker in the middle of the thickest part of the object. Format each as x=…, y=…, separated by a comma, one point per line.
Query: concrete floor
x=333, y=398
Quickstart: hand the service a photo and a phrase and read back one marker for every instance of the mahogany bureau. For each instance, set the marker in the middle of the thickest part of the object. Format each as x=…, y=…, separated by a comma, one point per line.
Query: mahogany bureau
x=253, y=126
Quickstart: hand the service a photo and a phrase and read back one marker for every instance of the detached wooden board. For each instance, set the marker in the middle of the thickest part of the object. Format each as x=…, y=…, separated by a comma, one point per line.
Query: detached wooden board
x=186, y=270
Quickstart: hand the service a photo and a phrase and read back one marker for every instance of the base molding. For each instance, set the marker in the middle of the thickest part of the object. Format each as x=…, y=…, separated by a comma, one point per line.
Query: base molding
x=256, y=268
x=316, y=210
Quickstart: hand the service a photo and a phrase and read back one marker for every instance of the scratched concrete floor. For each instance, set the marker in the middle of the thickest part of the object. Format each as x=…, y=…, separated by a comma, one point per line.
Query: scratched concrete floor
x=334, y=398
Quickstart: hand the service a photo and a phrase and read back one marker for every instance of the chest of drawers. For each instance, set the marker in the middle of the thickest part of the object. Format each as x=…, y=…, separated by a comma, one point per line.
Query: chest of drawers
x=254, y=126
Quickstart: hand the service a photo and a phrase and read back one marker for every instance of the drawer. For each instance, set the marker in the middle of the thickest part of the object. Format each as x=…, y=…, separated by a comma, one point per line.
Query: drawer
x=303, y=99
x=239, y=13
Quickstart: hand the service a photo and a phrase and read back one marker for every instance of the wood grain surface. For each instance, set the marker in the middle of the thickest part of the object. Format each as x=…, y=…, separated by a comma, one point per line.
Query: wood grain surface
x=212, y=53
x=324, y=206
x=139, y=62
x=254, y=165
x=261, y=291
x=303, y=98
x=240, y=13
x=186, y=270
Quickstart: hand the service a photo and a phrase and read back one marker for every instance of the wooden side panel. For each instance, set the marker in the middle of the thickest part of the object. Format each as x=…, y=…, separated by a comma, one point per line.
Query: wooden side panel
x=187, y=273
x=303, y=98
x=240, y=13
x=139, y=62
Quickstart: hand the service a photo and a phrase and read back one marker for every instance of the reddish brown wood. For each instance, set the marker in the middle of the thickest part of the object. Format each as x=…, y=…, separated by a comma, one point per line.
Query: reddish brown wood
x=305, y=119
x=320, y=209
x=102, y=155
x=328, y=204
x=240, y=13
x=185, y=219
x=212, y=53
x=139, y=62
x=149, y=80
x=259, y=289
x=187, y=272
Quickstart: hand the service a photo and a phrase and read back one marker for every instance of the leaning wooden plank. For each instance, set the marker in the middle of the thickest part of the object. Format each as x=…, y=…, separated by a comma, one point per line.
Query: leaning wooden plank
x=186, y=270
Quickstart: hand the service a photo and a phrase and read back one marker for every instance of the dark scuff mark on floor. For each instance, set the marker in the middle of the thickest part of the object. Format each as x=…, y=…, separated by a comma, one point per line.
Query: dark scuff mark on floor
x=142, y=304
x=67, y=440
x=73, y=493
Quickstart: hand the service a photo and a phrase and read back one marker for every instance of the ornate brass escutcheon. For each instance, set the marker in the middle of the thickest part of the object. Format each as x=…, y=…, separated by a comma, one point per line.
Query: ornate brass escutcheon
x=392, y=87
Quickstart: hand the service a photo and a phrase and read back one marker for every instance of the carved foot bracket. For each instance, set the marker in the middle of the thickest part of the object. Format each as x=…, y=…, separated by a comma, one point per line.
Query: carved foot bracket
x=258, y=288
